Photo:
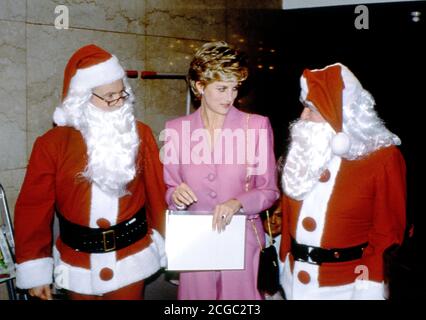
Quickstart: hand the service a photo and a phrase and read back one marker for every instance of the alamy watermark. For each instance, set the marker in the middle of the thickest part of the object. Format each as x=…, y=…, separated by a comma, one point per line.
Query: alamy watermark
x=362, y=20
x=62, y=21
x=231, y=146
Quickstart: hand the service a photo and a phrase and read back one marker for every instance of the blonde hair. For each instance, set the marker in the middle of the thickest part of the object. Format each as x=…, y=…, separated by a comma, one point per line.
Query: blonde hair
x=216, y=61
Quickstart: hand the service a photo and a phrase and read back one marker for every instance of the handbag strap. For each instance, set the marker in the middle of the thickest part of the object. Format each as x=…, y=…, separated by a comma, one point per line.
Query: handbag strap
x=257, y=234
x=247, y=189
x=248, y=180
x=271, y=241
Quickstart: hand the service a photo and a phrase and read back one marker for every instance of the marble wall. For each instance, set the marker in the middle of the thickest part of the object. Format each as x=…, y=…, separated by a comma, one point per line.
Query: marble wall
x=158, y=35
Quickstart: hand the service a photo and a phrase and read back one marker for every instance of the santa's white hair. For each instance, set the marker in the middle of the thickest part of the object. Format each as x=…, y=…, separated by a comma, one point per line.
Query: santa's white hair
x=111, y=139
x=365, y=129
x=361, y=124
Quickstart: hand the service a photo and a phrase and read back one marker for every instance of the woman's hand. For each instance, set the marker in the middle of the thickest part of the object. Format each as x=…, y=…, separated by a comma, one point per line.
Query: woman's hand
x=222, y=214
x=183, y=196
x=41, y=292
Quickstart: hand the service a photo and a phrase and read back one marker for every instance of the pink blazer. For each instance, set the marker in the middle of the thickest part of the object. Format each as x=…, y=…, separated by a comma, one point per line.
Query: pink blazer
x=215, y=182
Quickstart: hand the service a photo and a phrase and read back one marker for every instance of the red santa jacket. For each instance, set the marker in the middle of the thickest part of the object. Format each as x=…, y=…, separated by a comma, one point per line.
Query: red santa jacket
x=53, y=180
x=366, y=204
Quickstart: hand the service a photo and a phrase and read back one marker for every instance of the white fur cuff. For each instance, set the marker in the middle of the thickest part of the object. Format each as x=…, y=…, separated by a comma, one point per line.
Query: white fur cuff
x=34, y=273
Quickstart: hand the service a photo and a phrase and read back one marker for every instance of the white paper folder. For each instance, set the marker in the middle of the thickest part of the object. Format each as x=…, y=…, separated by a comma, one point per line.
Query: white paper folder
x=192, y=245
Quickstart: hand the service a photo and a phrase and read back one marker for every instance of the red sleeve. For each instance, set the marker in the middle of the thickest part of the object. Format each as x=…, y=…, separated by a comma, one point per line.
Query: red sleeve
x=34, y=208
x=154, y=184
x=389, y=213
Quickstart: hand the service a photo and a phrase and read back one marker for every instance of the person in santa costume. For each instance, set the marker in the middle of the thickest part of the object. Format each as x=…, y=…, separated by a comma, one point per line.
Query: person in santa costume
x=99, y=170
x=344, y=192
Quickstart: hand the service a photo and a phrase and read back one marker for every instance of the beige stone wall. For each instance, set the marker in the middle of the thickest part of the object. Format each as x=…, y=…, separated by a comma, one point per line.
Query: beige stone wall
x=159, y=35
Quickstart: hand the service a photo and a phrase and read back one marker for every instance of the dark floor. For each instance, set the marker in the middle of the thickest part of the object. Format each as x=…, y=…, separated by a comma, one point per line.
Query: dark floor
x=158, y=287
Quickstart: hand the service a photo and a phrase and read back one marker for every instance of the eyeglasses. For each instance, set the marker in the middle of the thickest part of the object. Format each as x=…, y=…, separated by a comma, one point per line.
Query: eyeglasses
x=111, y=103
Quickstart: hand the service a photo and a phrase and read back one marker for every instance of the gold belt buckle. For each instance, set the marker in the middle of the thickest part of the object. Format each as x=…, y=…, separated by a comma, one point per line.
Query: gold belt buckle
x=104, y=235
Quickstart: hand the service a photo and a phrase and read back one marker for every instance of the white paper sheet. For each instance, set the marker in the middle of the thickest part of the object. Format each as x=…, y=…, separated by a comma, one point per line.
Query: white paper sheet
x=191, y=244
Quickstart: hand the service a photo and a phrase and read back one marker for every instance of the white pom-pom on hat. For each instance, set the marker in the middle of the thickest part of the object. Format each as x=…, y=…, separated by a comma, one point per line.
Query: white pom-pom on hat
x=59, y=117
x=340, y=144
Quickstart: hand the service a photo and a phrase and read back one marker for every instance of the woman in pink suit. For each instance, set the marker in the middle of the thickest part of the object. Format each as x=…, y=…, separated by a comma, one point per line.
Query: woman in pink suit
x=221, y=160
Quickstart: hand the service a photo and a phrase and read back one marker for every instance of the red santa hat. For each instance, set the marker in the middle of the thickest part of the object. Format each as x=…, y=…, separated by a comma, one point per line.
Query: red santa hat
x=90, y=67
x=329, y=90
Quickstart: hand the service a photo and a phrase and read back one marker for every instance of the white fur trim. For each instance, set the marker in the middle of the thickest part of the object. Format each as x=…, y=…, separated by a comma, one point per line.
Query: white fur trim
x=34, y=273
x=102, y=206
x=99, y=261
x=304, y=85
x=303, y=88
x=129, y=270
x=368, y=290
x=331, y=65
x=97, y=75
x=126, y=271
x=286, y=279
x=295, y=290
x=160, y=247
x=340, y=144
x=304, y=93
x=315, y=206
x=353, y=87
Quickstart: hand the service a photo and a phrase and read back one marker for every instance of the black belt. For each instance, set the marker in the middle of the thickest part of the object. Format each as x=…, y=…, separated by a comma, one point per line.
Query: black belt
x=317, y=255
x=94, y=240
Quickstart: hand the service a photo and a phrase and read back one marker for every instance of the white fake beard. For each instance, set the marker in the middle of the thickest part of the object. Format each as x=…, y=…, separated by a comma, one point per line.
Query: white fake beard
x=112, y=145
x=309, y=155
